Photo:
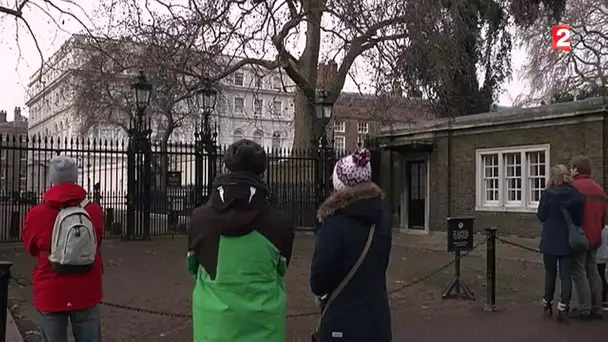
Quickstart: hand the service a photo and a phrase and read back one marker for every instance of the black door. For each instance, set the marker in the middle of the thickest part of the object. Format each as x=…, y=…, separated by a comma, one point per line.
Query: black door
x=416, y=176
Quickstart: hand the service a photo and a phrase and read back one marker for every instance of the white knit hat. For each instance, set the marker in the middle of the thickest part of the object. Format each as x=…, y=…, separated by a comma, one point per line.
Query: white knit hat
x=352, y=170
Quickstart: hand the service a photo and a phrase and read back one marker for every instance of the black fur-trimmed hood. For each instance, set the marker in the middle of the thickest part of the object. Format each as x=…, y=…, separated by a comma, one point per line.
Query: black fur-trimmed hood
x=342, y=199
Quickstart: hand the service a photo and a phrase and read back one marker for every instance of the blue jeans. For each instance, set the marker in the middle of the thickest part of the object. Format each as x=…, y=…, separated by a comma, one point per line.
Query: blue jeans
x=551, y=263
x=86, y=325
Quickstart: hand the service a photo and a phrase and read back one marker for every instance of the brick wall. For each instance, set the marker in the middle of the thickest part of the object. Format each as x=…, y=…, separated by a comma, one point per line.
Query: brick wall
x=565, y=141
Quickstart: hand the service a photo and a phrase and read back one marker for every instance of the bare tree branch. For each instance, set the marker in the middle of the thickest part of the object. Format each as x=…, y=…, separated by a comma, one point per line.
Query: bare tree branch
x=553, y=74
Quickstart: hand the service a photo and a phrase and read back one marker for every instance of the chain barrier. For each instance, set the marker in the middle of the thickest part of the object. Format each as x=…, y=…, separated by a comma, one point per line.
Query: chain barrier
x=23, y=282
x=515, y=244
x=439, y=270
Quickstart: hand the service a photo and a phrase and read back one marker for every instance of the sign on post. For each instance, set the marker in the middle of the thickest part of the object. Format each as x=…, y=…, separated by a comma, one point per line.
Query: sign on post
x=460, y=234
x=460, y=239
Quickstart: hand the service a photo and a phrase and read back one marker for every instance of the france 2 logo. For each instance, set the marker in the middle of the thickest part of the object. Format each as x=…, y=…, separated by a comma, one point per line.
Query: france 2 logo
x=560, y=37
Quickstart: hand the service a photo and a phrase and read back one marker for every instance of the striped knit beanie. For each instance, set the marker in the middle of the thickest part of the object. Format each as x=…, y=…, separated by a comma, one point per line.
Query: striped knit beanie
x=352, y=170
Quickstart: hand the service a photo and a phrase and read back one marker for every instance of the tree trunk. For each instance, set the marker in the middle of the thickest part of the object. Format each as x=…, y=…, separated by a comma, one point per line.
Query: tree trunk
x=304, y=122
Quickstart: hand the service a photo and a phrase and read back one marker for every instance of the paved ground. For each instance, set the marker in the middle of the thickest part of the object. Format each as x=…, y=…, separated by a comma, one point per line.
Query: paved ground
x=152, y=275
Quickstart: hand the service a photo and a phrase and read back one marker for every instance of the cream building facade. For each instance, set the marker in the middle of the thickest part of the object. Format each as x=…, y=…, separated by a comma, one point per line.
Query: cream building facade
x=257, y=104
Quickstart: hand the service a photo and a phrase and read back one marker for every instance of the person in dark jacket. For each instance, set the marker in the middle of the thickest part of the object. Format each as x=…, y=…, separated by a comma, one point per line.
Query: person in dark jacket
x=560, y=193
x=239, y=248
x=361, y=311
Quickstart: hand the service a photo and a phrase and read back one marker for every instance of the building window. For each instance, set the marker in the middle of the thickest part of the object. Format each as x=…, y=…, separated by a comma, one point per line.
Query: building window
x=339, y=126
x=276, y=82
x=276, y=140
x=511, y=179
x=340, y=143
x=258, y=105
x=3, y=155
x=537, y=175
x=276, y=108
x=258, y=136
x=239, y=104
x=239, y=79
x=237, y=135
x=363, y=128
x=23, y=155
x=2, y=173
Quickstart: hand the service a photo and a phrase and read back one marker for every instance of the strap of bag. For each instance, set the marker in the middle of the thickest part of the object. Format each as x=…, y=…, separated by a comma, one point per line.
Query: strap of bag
x=566, y=215
x=349, y=276
x=84, y=203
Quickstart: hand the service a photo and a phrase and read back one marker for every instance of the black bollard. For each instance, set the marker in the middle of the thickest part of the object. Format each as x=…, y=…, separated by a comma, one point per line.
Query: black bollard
x=5, y=276
x=491, y=270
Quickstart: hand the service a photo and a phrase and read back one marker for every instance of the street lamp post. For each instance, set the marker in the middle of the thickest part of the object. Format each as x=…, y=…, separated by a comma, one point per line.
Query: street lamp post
x=139, y=162
x=206, y=98
x=324, y=166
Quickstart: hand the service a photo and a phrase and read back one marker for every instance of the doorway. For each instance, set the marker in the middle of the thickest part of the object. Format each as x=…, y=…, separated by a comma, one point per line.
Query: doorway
x=416, y=183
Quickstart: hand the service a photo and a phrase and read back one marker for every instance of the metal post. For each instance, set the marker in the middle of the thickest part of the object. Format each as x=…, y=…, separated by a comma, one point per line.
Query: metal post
x=5, y=276
x=199, y=171
x=491, y=270
x=131, y=186
x=146, y=193
x=457, y=273
x=211, y=165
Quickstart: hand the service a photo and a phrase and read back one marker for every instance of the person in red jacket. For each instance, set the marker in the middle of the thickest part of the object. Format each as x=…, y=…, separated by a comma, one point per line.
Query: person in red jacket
x=585, y=274
x=63, y=297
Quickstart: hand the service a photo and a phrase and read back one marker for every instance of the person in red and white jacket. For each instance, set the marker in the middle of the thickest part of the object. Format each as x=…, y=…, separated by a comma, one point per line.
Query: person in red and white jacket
x=63, y=297
x=585, y=273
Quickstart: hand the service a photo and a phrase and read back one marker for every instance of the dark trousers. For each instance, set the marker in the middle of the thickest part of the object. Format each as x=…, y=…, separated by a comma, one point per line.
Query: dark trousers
x=564, y=264
x=602, y=269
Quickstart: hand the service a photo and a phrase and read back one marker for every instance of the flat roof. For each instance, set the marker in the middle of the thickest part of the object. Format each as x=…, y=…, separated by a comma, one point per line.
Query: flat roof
x=515, y=115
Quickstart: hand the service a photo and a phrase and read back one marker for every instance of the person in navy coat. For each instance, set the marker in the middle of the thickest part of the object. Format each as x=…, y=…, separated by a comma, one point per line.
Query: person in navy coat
x=361, y=312
x=560, y=193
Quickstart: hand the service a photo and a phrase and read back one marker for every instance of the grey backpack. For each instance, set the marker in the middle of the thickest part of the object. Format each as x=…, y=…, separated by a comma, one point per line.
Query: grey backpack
x=73, y=243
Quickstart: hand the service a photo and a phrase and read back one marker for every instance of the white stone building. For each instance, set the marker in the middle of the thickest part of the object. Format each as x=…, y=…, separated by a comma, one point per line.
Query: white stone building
x=253, y=104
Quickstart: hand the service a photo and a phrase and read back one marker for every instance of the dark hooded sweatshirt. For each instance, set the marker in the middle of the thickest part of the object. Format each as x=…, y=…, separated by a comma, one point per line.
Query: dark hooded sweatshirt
x=243, y=246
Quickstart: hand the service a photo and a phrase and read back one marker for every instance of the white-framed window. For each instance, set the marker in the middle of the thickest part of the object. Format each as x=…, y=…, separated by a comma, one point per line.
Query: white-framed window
x=258, y=137
x=237, y=135
x=512, y=178
x=239, y=105
x=340, y=143
x=23, y=155
x=2, y=173
x=258, y=106
x=277, y=107
x=22, y=174
x=239, y=79
x=3, y=154
x=339, y=126
x=363, y=127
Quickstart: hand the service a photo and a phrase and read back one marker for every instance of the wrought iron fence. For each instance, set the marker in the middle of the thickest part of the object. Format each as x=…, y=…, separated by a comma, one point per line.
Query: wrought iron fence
x=104, y=171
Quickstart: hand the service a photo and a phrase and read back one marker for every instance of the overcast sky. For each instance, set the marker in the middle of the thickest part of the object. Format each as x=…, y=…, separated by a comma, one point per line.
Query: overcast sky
x=19, y=57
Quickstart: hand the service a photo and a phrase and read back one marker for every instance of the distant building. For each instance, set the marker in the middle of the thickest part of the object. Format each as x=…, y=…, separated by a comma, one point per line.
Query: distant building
x=357, y=116
x=13, y=153
x=255, y=104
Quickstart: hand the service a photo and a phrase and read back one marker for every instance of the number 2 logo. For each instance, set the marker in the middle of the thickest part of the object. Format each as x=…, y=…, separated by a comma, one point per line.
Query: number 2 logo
x=560, y=37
